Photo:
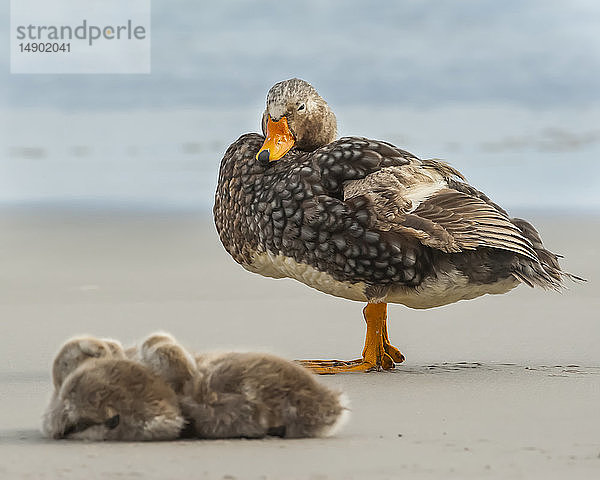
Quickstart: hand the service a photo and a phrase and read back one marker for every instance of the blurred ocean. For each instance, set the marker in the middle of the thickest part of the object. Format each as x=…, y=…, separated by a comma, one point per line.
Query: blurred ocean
x=508, y=92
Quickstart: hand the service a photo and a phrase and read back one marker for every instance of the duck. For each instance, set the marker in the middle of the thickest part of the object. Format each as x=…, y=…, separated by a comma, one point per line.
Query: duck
x=364, y=220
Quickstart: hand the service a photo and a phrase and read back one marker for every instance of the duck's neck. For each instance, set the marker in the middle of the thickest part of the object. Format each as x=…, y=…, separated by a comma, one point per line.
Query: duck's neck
x=318, y=131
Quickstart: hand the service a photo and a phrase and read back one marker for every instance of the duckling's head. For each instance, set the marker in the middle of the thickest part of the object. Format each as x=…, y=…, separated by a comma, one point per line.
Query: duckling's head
x=163, y=356
x=113, y=399
x=77, y=350
x=296, y=115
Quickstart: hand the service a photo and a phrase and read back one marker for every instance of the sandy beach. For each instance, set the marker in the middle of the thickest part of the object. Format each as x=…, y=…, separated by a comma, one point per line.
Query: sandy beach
x=499, y=387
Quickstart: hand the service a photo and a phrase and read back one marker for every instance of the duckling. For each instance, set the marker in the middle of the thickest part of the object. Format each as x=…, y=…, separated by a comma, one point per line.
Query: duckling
x=254, y=395
x=79, y=349
x=113, y=399
x=165, y=393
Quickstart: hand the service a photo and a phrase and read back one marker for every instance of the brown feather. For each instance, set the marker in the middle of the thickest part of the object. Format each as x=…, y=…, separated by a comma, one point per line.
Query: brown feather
x=452, y=221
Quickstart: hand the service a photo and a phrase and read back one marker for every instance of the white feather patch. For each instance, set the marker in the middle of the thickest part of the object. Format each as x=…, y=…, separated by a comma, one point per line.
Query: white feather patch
x=421, y=192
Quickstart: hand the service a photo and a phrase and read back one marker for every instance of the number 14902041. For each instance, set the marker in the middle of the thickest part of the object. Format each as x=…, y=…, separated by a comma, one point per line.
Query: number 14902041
x=45, y=47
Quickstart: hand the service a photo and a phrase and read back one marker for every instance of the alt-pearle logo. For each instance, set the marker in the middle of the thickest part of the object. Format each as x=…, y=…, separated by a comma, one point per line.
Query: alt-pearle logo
x=80, y=36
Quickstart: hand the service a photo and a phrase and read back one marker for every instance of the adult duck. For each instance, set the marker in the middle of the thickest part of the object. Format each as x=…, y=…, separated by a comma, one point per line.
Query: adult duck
x=364, y=220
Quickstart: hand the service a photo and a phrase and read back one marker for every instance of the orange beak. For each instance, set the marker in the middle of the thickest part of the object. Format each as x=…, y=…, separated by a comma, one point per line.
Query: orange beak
x=278, y=142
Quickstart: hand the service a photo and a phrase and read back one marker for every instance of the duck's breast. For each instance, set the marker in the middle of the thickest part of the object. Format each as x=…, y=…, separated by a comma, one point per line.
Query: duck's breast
x=281, y=266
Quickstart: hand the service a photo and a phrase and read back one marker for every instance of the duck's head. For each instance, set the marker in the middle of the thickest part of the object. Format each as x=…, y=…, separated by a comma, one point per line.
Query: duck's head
x=296, y=115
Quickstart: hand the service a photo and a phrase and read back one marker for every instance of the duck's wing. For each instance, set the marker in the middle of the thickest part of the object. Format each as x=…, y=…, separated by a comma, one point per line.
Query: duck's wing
x=424, y=199
x=454, y=221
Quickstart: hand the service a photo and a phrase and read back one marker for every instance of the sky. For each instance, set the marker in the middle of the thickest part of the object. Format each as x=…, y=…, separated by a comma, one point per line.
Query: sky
x=508, y=92
x=538, y=53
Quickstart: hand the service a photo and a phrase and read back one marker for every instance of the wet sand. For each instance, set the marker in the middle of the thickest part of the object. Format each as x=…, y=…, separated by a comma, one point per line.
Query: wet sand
x=498, y=387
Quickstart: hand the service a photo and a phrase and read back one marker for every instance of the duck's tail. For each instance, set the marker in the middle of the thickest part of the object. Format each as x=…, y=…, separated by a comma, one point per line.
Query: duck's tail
x=546, y=273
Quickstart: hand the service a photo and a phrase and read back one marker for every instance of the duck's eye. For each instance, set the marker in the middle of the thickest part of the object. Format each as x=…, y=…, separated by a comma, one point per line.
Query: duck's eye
x=301, y=107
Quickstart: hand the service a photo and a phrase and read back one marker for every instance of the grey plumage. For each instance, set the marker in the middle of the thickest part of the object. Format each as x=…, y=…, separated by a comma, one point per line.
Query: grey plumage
x=253, y=395
x=113, y=399
x=164, y=392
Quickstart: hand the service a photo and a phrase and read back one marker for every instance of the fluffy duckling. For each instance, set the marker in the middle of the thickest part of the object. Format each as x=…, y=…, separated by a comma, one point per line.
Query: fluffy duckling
x=253, y=395
x=113, y=399
x=165, y=393
x=78, y=349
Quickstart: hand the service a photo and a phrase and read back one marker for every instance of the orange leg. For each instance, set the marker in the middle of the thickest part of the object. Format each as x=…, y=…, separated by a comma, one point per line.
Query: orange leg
x=392, y=351
x=378, y=353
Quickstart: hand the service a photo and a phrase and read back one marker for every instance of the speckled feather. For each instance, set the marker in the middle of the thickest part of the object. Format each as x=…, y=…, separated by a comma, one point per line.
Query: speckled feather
x=364, y=211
